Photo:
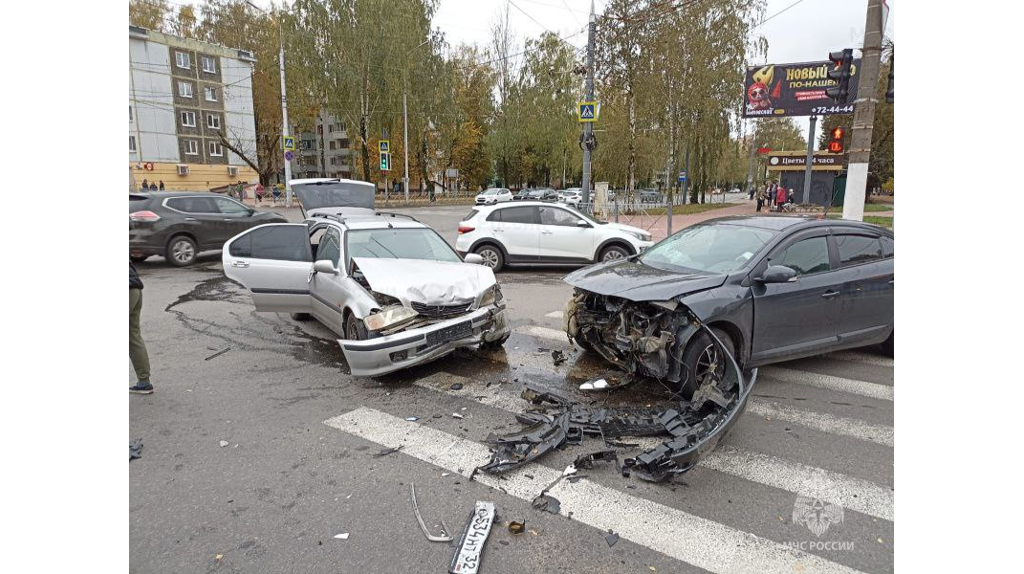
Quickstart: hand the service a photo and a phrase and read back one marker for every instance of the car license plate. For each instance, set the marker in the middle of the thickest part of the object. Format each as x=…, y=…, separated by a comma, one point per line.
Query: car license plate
x=450, y=333
x=467, y=557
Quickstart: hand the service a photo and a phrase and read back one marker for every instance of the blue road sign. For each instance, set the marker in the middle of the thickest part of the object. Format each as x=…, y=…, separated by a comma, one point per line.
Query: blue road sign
x=288, y=155
x=587, y=112
x=682, y=176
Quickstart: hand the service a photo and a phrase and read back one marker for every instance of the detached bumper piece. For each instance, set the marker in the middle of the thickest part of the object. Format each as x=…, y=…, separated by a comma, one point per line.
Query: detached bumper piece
x=694, y=427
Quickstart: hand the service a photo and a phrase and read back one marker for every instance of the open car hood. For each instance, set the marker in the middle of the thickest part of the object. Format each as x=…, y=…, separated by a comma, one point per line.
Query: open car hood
x=638, y=282
x=336, y=197
x=423, y=281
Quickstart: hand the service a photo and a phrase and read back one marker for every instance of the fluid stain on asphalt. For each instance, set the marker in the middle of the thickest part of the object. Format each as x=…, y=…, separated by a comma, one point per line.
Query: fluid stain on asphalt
x=299, y=344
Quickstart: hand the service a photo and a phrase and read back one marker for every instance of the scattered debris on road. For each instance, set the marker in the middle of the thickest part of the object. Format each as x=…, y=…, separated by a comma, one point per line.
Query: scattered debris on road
x=517, y=527
x=444, y=537
x=135, y=449
x=457, y=416
x=558, y=357
x=224, y=443
x=611, y=538
x=218, y=353
x=387, y=451
x=547, y=503
x=342, y=536
x=456, y=386
x=412, y=419
x=471, y=545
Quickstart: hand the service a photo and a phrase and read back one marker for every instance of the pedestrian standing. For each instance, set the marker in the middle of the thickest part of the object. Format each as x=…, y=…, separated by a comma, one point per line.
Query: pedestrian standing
x=760, y=198
x=145, y=185
x=136, y=346
x=161, y=185
x=276, y=194
x=780, y=197
x=259, y=193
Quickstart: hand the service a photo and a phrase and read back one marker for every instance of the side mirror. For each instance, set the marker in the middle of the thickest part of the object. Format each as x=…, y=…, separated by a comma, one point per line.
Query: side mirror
x=582, y=223
x=778, y=274
x=473, y=258
x=325, y=266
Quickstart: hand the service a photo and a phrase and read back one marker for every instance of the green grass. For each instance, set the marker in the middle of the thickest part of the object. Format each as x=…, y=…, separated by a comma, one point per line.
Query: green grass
x=872, y=207
x=690, y=208
x=873, y=219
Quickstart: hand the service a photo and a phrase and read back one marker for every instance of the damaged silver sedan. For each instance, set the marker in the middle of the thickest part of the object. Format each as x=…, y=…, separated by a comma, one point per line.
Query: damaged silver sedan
x=390, y=286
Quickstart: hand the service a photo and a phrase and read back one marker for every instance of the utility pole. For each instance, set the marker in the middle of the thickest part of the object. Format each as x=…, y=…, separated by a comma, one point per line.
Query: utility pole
x=588, y=127
x=864, y=114
x=405, y=146
x=750, y=170
x=284, y=123
x=810, y=160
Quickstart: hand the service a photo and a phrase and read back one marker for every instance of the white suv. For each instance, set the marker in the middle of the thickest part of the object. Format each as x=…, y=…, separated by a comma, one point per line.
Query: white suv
x=493, y=195
x=571, y=196
x=534, y=232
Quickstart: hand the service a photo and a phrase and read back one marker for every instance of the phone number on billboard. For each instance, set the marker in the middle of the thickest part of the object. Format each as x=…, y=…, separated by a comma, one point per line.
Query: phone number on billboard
x=847, y=109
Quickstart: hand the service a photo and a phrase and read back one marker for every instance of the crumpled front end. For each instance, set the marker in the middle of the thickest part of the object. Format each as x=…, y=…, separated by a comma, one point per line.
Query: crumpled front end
x=642, y=338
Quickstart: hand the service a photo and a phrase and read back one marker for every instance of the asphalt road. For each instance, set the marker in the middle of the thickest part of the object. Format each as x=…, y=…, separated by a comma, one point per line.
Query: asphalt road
x=301, y=464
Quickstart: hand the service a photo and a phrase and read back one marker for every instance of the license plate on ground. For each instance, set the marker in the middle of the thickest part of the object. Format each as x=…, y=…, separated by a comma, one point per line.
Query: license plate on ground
x=467, y=557
x=450, y=333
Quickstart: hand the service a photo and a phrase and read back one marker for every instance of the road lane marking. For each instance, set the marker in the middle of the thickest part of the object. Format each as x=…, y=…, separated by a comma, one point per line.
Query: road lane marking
x=829, y=382
x=543, y=332
x=701, y=542
x=554, y=315
x=853, y=493
x=856, y=357
x=850, y=493
x=853, y=428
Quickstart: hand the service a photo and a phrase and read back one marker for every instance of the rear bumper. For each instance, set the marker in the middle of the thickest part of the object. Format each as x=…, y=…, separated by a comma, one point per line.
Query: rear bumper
x=402, y=350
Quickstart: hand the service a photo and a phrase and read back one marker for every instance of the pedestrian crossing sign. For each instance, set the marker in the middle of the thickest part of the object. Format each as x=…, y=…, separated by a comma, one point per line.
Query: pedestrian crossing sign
x=288, y=142
x=587, y=112
x=385, y=146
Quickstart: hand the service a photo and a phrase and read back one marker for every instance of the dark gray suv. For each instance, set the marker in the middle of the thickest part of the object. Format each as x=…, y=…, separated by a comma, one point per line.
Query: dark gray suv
x=180, y=224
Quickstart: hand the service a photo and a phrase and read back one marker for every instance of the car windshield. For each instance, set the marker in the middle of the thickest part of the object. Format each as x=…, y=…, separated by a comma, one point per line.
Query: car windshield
x=411, y=243
x=491, y=191
x=707, y=248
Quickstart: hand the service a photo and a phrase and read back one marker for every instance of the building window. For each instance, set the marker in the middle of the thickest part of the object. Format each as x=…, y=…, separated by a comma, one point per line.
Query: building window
x=209, y=64
x=343, y=144
x=211, y=94
x=131, y=115
x=216, y=149
x=188, y=119
x=331, y=144
x=131, y=144
x=334, y=161
x=341, y=127
x=191, y=148
x=306, y=144
x=213, y=121
x=183, y=60
x=184, y=89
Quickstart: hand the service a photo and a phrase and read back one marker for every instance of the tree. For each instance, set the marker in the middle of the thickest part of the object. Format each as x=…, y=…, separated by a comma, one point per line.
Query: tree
x=148, y=14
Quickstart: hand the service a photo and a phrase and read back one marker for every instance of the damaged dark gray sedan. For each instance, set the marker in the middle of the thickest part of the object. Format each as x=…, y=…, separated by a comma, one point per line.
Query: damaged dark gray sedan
x=771, y=288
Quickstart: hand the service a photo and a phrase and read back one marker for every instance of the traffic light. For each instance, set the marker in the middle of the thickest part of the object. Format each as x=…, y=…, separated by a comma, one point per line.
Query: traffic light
x=385, y=161
x=842, y=67
x=888, y=91
x=836, y=145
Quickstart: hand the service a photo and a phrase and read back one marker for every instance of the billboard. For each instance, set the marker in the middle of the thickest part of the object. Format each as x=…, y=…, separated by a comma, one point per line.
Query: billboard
x=794, y=90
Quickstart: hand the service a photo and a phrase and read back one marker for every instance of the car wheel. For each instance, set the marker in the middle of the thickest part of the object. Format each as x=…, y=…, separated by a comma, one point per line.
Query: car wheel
x=138, y=258
x=613, y=253
x=888, y=346
x=494, y=345
x=702, y=358
x=492, y=257
x=300, y=316
x=354, y=329
x=181, y=251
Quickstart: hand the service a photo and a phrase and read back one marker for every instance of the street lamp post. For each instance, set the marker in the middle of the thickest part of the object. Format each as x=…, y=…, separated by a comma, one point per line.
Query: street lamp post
x=284, y=110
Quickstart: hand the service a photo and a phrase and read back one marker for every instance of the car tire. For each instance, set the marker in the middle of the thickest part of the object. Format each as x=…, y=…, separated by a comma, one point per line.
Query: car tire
x=700, y=351
x=181, y=251
x=612, y=253
x=889, y=345
x=494, y=345
x=300, y=316
x=493, y=257
x=138, y=258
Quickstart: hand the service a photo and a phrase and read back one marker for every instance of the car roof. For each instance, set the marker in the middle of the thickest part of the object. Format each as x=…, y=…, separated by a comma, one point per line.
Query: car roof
x=786, y=222
x=375, y=221
x=166, y=194
x=524, y=203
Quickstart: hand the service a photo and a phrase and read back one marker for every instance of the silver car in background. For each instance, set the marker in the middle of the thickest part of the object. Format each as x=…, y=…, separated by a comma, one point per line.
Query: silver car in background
x=394, y=291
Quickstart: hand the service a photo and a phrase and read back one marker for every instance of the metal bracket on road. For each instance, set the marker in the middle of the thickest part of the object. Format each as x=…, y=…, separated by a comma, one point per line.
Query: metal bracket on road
x=445, y=536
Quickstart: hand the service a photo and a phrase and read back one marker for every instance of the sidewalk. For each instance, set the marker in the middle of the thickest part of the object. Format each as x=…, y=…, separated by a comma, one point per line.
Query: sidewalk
x=657, y=225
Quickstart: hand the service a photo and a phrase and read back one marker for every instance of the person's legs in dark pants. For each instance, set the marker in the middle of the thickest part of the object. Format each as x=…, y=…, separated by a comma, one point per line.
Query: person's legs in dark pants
x=136, y=346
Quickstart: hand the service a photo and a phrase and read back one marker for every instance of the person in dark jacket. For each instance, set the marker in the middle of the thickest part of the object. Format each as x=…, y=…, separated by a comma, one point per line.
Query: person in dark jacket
x=136, y=346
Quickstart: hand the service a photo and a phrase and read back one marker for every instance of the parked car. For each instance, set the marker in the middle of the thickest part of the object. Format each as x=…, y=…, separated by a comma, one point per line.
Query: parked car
x=180, y=224
x=771, y=288
x=537, y=194
x=537, y=233
x=493, y=195
x=394, y=291
x=571, y=196
x=649, y=196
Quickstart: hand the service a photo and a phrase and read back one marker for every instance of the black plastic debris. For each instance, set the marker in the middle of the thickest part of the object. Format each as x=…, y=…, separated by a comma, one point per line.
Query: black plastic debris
x=547, y=503
x=135, y=449
x=558, y=357
x=218, y=353
x=387, y=451
x=611, y=538
x=587, y=460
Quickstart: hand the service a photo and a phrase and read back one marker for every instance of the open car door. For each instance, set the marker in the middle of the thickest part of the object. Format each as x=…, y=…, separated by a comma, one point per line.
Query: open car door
x=273, y=262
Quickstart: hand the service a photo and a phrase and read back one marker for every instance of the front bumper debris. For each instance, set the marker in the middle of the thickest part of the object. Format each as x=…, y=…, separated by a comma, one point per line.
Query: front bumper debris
x=694, y=427
x=405, y=349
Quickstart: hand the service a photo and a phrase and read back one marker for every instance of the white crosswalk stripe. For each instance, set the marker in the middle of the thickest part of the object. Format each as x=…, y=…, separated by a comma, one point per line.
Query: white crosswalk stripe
x=853, y=428
x=853, y=493
x=701, y=542
x=829, y=382
x=554, y=315
x=858, y=357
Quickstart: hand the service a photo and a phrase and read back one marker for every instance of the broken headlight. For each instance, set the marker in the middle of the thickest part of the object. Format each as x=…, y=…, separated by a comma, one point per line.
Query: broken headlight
x=389, y=317
x=491, y=296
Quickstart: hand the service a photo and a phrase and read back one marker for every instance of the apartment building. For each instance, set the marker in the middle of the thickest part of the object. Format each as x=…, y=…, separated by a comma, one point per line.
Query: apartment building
x=182, y=94
x=325, y=152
